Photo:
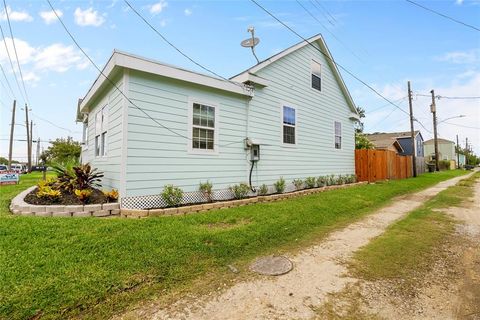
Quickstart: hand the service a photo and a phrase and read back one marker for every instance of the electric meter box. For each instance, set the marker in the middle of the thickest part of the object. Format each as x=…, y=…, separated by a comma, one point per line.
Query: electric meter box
x=255, y=152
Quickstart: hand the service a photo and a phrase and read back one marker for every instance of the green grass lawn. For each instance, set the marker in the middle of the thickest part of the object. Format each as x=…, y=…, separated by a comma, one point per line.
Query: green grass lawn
x=64, y=267
x=407, y=249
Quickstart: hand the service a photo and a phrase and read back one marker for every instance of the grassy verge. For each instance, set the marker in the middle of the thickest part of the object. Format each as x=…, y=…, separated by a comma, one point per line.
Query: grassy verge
x=407, y=249
x=60, y=268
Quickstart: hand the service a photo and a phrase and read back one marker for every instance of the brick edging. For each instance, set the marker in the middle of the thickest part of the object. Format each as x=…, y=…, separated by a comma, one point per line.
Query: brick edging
x=18, y=206
x=142, y=213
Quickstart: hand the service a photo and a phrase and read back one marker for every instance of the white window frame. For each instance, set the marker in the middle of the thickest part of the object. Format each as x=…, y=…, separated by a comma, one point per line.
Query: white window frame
x=335, y=135
x=101, y=137
x=85, y=135
x=216, y=128
x=289, y=105
x=316, y=74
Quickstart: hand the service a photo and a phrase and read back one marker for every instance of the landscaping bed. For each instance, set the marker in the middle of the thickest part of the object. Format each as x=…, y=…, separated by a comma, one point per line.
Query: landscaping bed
x=96, y=197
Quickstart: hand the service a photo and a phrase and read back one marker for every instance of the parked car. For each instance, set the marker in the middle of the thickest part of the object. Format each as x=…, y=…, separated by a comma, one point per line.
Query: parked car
x=3, y=168
x=19, y=168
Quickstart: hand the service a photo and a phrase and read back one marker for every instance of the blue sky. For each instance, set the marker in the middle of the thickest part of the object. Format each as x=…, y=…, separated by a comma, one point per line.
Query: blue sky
x=391, y=41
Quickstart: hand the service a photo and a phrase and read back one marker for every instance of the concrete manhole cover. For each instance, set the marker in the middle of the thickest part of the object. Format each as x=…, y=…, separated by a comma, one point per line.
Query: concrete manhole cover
x=271, y=265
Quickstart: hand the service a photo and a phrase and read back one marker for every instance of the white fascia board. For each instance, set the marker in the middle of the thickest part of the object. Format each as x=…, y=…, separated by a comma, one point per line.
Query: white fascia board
x=248, y=77
x=123, y=60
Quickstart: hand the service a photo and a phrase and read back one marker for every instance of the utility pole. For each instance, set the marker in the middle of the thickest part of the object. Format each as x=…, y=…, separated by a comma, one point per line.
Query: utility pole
x=30, y=147
x=466, y=151
x=433, y=109
x=458, y=154
x=38, y=150
x=412, y=132
x=28, y=137
x=12, y=127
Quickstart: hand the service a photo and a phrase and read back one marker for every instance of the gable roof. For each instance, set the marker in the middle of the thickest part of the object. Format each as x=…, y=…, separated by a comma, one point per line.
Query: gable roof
x=249, y=73
x=440, y=140
x=384, y=141
x=396, y=135
x=119, y=60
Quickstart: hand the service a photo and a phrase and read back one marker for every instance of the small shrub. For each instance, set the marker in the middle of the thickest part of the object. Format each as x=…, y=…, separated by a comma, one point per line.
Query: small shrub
x=280, y=185
x=83, y=194
x=46, y=192
x=310, y=182
x=86, y=177
x=321, y=181
x=331, y=180
x=298, y=183
x=172, y=195
x=112, y=196
x=341, y=179
x=240, y=191
x=263, y=190
x=206, y=189
x=49, y=182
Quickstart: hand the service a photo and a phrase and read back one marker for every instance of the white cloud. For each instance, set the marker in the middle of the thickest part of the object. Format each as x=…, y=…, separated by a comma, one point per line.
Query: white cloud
x=58, y=58
x=49, y=16
x=459, y=2
x=158, y=7
x=461, y=57
x=188, y=12
x=31, y=77
x=163, y=23
x=24, y=50
x=88, y=17
x=15, y=15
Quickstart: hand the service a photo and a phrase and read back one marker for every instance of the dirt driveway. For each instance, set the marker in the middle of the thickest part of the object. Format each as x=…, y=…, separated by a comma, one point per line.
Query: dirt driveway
x=318, y=271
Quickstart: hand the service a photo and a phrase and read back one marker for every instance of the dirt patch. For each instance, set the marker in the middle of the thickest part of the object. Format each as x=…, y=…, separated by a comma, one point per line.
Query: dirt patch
x=226, y=225
x=319, y=271
x=97, y=197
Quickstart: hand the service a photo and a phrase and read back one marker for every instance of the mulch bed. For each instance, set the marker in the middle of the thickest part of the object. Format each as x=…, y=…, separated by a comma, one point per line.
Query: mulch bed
x=97, y=197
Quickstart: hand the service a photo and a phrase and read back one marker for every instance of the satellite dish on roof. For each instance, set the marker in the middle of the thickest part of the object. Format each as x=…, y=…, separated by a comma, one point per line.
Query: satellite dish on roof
x=251, y=42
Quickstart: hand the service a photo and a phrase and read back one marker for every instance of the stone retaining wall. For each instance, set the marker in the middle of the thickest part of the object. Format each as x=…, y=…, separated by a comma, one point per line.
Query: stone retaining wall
x=20, y=207
x=138, y=213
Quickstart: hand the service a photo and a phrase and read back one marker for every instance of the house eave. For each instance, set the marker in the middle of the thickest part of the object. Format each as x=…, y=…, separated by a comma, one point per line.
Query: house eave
x=121, y=60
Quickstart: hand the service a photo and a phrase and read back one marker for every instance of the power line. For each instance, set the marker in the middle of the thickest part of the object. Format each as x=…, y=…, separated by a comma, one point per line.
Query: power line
x=443, y=15
x=318, y=2
x=328, y=57
x=52, y=123
x=461, y=125
x=115, y=85
x=386, y=105
x=176, y=48
x=330, y=32
x=447, y=97
x=11, y=62
x=321, y=11
x=16, y=54
x=8, y=83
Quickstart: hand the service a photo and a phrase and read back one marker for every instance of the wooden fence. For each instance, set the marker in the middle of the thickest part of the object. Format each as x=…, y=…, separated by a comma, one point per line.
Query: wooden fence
x=373, y=165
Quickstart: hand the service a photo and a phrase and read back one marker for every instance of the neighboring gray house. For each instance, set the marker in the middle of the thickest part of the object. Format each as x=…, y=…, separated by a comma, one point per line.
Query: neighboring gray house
x=401, y=143
x=184, y=127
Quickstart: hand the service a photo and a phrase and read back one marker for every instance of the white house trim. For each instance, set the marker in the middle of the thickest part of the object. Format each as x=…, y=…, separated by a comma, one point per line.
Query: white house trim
x=216, y=147
x=133, y=62
x=323, y=47
x=289, y=105
x=124, y=155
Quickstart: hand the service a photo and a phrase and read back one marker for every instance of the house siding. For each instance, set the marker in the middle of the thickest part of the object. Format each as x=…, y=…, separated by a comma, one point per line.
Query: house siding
x=314, y=153
x=446, y=150
x=157, y=157
x=111, y=163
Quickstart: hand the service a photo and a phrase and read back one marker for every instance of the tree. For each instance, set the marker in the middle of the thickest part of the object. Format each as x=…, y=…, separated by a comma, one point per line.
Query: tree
x=359, y=123
x=362, y=142
x=62, y=150
x=5, y=161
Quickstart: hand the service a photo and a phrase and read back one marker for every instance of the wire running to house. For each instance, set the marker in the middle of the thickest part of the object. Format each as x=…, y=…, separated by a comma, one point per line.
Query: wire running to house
x=329, y=32
x=329, y=58
x=11, y=62
x=117, y=88
x=461, y=125
x=443, y=15
x=326, y=55
x=447, y=97
x=325, y=9
x=15, y=49
x=8, y=83
x=177, y=49
x=386, y=105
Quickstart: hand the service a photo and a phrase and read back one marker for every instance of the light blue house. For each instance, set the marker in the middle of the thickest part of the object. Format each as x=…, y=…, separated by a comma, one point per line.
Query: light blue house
x=160, y=124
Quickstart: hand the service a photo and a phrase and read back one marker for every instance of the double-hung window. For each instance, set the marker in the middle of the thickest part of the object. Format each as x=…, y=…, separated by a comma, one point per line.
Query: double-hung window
x=338, y=135
x=203, y=127
x=289, y=118
x=101, y=126
x=316, y=75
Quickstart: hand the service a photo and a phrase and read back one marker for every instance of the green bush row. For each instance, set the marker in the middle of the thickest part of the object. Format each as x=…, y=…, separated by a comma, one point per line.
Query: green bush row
x=173, y=195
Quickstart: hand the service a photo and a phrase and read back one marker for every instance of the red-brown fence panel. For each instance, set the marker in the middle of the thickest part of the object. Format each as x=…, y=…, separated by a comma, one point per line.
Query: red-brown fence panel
x=374, y=165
